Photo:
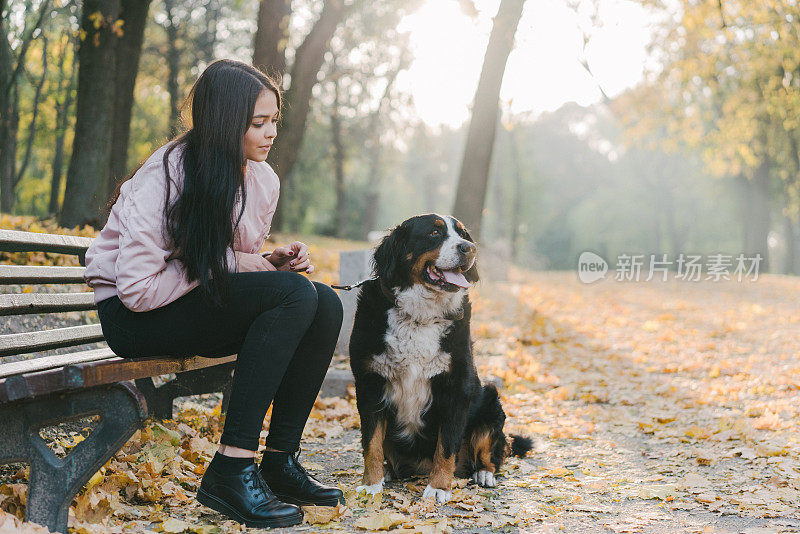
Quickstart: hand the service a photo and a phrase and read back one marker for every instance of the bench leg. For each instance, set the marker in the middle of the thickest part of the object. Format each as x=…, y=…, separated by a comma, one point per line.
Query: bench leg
x=207, y=380
x=54, y=481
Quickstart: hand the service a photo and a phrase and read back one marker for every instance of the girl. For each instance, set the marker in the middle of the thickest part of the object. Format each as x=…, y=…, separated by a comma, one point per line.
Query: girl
x=177, y=271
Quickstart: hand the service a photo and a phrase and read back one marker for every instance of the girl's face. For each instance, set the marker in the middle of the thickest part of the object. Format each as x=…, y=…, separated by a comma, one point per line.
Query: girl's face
x=263, y=127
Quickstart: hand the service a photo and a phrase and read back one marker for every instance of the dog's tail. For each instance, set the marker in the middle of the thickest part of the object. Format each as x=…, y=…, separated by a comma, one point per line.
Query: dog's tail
x=520, y=445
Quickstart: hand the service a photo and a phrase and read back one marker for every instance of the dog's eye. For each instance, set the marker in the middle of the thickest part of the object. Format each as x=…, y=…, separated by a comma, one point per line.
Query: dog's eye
x=434, y=233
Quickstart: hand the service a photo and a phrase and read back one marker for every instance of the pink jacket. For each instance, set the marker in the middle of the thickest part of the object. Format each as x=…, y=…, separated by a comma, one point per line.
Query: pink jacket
x=130, y=257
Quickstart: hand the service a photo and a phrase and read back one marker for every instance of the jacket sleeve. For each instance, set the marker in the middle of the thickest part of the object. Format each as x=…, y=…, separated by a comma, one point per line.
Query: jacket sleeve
x=146, y=279
x=271, y=189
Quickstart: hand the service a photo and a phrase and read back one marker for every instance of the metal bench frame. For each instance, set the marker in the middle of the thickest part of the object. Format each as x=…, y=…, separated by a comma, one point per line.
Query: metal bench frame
x=52, y=389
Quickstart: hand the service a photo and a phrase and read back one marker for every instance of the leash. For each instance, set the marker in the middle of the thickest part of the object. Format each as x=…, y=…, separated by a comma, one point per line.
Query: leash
x=384, y=288
x=352, y=286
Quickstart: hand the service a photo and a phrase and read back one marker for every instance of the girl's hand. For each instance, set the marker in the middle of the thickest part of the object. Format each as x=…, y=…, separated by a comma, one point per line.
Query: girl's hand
x=293, y=257
x=252, y=262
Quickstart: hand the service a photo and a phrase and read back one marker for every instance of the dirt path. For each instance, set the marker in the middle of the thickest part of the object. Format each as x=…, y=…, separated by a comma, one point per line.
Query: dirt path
x=659, y=407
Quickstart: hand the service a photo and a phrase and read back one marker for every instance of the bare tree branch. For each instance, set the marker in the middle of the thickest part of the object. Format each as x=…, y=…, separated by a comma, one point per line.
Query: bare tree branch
x=35, y=113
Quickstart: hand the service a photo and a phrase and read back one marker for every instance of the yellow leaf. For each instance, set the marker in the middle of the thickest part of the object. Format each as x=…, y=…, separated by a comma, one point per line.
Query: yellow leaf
x=562, y=393
x=706, y=497
x=754, y=411
x=174, y=526
x=697, y=432
x=317, y=515
x=771, y=449
x=77, y=438
x=647, y=428
x=380, y=521
x=96, y=479
x=650, y=326
x=558, y=472
x=658, y=491
x=768, y=421
x=161, y=432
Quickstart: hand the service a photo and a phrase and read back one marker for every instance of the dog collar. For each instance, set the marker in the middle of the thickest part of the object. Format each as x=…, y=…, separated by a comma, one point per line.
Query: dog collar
x=390, y=296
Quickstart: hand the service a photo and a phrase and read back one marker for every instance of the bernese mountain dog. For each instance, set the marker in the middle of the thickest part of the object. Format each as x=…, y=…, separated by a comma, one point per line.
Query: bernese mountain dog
x=422, y=406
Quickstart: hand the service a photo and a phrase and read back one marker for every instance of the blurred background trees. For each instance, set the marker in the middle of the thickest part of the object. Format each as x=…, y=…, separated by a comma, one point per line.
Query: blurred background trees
x=701, y=156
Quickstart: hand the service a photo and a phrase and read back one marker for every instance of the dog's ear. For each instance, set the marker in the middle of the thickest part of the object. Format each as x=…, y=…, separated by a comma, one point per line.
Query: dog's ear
x=389, y=259
x=472, y=273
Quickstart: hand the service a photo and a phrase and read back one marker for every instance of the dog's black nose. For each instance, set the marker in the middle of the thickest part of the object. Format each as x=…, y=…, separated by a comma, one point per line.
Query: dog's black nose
x=466, y=247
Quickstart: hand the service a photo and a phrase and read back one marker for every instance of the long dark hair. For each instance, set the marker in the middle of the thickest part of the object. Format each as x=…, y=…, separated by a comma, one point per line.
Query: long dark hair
x=200, y=224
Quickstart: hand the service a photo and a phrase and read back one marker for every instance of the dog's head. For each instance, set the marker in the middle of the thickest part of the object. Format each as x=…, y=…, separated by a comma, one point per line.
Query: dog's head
x=432, y=250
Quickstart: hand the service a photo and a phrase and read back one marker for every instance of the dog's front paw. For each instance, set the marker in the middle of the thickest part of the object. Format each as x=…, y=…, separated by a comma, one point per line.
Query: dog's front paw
x=439, y=494
x=372, y=489
x=484, y=478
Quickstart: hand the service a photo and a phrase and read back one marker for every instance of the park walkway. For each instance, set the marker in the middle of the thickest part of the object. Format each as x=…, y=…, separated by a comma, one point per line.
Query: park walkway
x=658, y=407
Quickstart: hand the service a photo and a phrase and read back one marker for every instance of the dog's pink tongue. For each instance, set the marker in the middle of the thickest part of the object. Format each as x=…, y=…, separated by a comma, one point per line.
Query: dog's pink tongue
x=455, y=278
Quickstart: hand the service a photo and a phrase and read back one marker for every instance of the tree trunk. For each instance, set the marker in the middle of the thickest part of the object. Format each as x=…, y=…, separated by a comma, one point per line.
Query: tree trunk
x=308, y=59
x=676, y=232
x=761, y=212
x=754, y=205
x=516, y=210
x=8, y=153
x=10, y=70
x=374, y=149
x=87, y=176
x=173, y=68
x=272, y=35
x=496, y=177
x=338, y=162
x=205, y=48
x=656, y=193
x=368, y=222
x=8, y=124
x=62, y=120
x=471, y=191
x=129, y=50
x=37, y=95
x=791, y=245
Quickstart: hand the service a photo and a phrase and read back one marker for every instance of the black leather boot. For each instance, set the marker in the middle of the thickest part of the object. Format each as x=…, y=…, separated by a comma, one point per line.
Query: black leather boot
x=242, y=495
x=292, y=483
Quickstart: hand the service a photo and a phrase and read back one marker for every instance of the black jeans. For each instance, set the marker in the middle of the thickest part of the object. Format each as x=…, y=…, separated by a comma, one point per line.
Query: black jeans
x=283, y=327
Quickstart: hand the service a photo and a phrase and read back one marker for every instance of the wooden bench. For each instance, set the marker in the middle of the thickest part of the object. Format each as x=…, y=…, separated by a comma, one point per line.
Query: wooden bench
x=48, y=390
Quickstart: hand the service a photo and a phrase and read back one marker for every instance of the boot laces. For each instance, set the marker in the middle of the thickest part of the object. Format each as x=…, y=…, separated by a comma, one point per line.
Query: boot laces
x=257, y=483
x=299, y=466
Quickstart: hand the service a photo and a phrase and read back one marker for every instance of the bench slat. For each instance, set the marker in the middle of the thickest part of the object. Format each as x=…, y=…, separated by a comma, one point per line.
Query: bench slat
x=27, y=274
x=51, y=362
x=97, y=373
x=25, y=303
x=25, y=342
x=18, y=241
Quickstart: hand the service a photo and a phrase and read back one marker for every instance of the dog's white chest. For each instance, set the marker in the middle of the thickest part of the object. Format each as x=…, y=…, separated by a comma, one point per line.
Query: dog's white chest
x=413, y=356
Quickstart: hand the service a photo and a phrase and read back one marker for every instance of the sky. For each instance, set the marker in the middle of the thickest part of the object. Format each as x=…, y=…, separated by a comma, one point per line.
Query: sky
x=543, y=71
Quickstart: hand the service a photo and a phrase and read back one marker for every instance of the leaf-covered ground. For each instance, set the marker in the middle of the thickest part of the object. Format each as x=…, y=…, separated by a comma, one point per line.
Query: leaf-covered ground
x=654, y=407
